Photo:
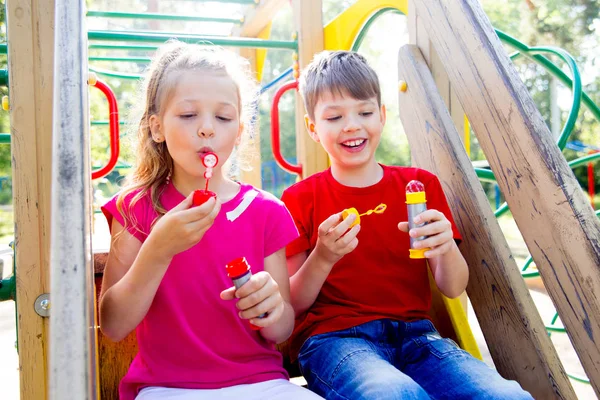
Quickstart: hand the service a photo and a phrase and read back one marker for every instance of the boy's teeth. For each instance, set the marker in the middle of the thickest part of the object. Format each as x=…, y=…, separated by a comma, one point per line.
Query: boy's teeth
x=354, y=143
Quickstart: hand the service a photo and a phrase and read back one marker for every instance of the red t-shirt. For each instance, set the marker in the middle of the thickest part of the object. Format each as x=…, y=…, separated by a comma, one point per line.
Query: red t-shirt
x=377, y=280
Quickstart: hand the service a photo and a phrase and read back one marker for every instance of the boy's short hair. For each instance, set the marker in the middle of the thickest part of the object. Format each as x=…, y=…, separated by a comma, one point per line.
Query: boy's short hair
x=338, y=72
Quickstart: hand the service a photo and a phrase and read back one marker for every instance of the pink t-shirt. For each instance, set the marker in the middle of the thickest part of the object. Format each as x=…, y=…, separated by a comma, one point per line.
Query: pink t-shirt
x=190, y=338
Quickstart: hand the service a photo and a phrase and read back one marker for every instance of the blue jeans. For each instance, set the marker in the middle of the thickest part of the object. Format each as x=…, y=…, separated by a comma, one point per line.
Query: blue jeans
x=387, y=359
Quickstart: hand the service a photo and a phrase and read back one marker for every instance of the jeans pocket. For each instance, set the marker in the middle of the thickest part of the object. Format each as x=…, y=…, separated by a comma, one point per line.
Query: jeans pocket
x=443, y=347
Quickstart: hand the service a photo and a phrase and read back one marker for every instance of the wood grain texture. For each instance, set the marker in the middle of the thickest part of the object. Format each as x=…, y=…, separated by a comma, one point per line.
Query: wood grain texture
x=548, y=205
x=512, y=327
x=30, y=56
x=308, y=17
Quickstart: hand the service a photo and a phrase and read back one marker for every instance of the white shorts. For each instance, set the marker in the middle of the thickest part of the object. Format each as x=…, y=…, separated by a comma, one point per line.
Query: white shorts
x=277, y=389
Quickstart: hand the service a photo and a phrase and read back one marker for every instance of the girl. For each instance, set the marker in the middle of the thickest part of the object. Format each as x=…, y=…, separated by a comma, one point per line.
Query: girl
x=165, y=276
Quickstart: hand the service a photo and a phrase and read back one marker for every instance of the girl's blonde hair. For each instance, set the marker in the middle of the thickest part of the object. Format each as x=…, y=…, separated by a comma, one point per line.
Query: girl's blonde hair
x=153, y=162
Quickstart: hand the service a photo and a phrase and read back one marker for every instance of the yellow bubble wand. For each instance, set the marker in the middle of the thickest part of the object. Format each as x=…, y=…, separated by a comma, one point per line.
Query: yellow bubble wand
x=349, y=211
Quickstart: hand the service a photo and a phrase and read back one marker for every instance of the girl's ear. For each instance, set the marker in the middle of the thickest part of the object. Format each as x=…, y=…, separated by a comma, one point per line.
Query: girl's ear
x=310, y=127
x=238, y=138
x=154, y=124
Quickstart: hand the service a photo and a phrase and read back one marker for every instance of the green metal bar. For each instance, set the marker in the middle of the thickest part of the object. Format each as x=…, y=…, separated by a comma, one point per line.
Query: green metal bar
x=104, y=122
x=3, y=48
x=112, y=74
x=365, y=28
x=157, y=16
x=4, y=138
x=3, y=77
x=584, y=160
x=121, y=47
x=220, y=41
x=121, y=59
x=557, y=72
x=8, y=288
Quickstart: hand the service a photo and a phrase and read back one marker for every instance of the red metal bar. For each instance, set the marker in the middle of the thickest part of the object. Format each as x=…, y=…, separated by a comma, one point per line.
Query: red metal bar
x=275, y=142
x=113, y=123
x=591, y=183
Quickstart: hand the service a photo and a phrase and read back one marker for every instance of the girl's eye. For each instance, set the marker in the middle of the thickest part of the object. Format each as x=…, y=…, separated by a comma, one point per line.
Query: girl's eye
x=334, y=118
x=187, y=116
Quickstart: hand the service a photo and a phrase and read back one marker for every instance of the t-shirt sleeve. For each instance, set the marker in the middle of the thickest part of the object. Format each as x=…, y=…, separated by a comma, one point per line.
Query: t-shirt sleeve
x=133, y=219
x=436, y=199
x=280, y=229
x=301, y=219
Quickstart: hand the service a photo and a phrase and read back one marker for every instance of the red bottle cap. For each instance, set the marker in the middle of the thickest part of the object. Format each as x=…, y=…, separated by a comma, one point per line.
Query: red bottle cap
x=237, y=267
x=415, y=187
x=201, y=196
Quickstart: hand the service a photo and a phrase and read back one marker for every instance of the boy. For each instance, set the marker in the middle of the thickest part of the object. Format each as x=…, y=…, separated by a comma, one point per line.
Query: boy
x=362, y=326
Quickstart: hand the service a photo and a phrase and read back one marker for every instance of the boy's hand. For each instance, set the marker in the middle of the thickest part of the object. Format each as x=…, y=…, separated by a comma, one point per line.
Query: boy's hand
x=260, y=295
x=335, y=240
x=438, y=229
x=183, y=226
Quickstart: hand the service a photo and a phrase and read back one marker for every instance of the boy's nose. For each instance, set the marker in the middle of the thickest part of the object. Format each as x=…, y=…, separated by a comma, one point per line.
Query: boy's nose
x=352, y=125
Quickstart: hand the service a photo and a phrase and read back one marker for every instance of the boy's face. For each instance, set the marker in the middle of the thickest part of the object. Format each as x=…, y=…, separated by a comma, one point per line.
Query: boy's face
x=348, y=129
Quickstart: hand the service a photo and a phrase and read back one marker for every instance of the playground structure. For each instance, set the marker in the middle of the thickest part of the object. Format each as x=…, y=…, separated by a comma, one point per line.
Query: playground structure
x=454, y=66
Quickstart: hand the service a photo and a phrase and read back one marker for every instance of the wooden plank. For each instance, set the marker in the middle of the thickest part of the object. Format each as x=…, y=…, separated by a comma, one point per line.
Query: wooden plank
x=257, y=18
x=308, y=15
x=554, y=216
x=512, y=327
x=30, y=55
x=251, y=153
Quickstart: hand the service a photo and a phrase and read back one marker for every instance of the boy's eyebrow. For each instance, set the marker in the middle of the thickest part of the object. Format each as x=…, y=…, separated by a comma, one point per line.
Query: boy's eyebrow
x=360, y=103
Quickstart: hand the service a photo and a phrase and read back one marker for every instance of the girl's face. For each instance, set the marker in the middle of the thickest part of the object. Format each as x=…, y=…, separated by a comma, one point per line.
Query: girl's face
x=201, y=115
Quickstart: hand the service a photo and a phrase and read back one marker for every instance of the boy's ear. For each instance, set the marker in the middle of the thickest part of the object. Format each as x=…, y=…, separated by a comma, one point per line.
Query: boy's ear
x=383, y=115
x=154, y=125
x=238, y=139
x=310, y=127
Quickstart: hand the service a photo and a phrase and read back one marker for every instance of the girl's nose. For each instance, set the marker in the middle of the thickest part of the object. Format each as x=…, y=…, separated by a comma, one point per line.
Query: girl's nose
x=206, y=131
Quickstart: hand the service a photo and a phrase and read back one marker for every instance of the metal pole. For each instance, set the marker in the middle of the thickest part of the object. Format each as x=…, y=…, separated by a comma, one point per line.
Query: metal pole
x=72, y=339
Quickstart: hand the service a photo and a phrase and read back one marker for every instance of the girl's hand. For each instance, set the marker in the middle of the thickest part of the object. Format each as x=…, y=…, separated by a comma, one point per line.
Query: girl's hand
x=335, y=240
x=258, y=296
x=438, y=229
x=183, y=226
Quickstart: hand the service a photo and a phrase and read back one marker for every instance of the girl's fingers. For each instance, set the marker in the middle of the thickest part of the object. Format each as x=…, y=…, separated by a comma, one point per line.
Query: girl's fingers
x=270, y=319
x=228, y=294
x=256, y=283
x=266, y=306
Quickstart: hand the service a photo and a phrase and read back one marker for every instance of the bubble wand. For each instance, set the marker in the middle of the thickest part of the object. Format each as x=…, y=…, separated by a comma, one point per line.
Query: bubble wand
x=210, y=161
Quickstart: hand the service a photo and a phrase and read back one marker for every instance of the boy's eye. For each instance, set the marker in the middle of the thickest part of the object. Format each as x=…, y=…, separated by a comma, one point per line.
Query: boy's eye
x=334, y=118
x=366, y=113
x=224, y=119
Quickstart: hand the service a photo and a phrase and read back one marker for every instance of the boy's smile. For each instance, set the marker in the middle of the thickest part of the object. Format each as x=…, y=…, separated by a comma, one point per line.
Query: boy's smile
x=349, y=130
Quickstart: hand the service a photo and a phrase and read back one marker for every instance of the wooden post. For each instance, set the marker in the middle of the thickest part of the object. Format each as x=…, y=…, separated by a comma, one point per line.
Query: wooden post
x=308, y=16
x=555, y=218
x=512, y=327
x=30, y=25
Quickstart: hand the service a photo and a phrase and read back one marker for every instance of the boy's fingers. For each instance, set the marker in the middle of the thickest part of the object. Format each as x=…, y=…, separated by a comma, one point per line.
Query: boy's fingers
x=403, y=226
x=429, y=216
x=329, y=223
x=343, y=226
